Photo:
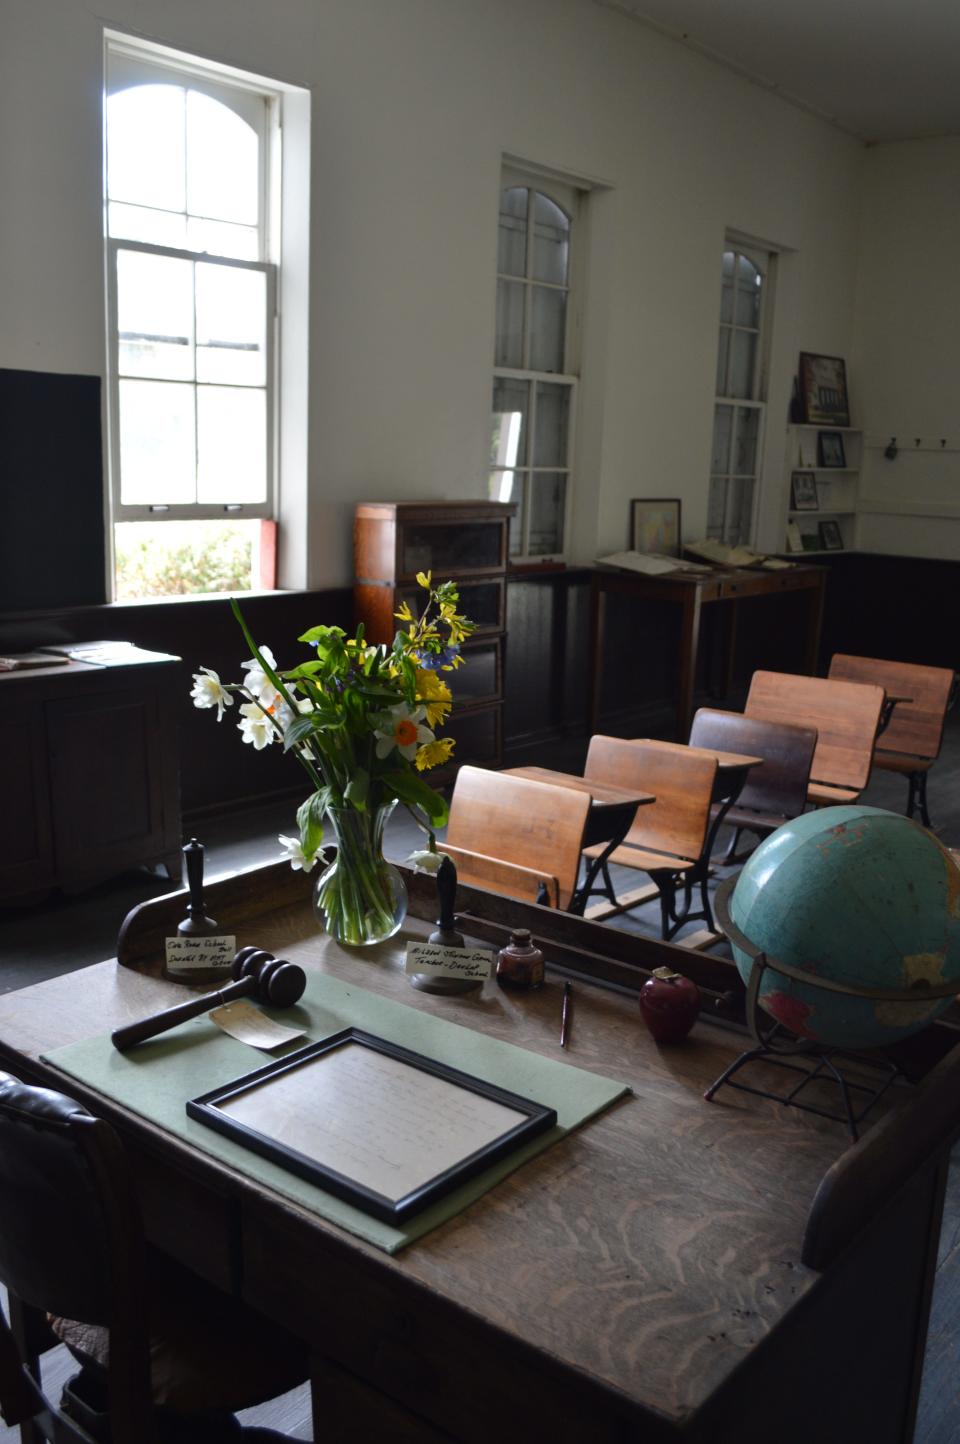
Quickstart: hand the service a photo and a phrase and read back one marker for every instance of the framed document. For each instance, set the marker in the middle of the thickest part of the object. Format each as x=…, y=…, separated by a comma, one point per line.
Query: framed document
x=803, y=485
x=823, y=390
x=655, y=525
x=375, y=1124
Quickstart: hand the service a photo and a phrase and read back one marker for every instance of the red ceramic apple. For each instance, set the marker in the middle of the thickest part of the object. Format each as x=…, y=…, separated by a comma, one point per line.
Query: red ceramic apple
x=669, y=1003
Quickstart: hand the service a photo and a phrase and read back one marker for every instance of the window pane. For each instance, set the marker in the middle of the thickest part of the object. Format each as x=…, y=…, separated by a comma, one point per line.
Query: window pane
x=726, y=289
x=547, y=497
x=508, y=444
x=716, y=506
x=155, y=315
x=742, y=363
x=231, y=325
x=508, y=486
x=241, y=243
x=178, y=558
x=231, y=444
x=723, y=361
x=145, y=146
x=512, y=235
x=739, y=511
x=223, y=171
x=551, y=241
x=553, y=417
x=509, y=343
x=547, y=329
x=140, y=223
x=748, y=295
x=722, y=434
x=157, y=448
x=745, y=451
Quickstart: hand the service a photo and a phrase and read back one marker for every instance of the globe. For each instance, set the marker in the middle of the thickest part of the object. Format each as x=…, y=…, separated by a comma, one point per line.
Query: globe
x=860, y=896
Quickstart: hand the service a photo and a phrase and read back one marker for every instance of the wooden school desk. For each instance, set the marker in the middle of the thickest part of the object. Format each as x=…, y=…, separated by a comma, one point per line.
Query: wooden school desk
x=672, y=1271
x=691, y=592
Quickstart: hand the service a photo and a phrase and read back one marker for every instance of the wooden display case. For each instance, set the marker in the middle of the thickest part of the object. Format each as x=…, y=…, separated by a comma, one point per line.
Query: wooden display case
x=467, y=542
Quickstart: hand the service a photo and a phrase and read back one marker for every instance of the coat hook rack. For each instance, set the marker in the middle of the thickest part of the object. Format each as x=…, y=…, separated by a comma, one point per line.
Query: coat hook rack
x=891, y=451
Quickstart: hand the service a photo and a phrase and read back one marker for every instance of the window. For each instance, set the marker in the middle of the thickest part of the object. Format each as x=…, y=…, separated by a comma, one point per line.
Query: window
x=741, y=393
x=534, y=386
x=192, y=284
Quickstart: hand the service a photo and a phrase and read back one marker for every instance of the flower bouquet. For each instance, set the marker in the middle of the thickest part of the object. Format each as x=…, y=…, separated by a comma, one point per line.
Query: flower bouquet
x=361, y=721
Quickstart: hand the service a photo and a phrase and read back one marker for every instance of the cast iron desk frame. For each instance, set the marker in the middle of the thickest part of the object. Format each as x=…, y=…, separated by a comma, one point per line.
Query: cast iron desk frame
x=540, y=1313
x=692, y=592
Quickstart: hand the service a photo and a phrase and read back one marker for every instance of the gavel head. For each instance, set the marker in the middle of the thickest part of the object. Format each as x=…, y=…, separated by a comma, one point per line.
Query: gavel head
x=275, y=981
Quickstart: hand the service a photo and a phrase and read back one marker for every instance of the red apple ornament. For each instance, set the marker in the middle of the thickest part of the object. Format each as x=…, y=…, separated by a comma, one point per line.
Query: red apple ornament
x=669, y=1003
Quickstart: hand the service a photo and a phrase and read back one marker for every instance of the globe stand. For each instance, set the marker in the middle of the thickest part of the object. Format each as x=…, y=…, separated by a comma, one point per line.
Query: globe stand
x=775, y=1044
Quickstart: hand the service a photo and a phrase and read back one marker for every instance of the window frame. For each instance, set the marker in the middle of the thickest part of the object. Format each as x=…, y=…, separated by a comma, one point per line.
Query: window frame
x=569, y=196
x=158, y=66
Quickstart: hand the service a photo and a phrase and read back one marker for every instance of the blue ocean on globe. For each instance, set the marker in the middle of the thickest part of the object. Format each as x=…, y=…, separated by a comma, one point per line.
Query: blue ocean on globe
x=859, y=895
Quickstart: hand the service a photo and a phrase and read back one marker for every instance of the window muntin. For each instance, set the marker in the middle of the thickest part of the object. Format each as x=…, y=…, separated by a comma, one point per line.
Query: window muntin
x=740, y=395
x=534, y=388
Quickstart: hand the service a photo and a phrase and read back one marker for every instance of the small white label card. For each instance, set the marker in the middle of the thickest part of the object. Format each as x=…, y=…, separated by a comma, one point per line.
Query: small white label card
x=187, y=953
x=242, y=1020
x=441, y=962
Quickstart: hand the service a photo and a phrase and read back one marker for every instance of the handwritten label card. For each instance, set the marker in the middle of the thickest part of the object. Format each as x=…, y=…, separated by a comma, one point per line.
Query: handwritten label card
x=185, y=954
x=472, y=963
x=242, y=1020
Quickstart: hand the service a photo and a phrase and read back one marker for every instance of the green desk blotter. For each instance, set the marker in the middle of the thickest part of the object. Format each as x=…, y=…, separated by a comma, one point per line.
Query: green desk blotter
x=156, y=1078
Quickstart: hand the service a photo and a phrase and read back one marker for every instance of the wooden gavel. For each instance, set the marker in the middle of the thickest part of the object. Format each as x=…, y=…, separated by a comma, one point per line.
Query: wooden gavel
x=257, y=973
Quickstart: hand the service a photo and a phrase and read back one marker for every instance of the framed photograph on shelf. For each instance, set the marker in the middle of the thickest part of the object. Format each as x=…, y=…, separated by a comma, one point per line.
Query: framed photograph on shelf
x=803, y=487
x=794, y=537
x=830, y=450
x=823, y=390
x=655, y=525
x=830, y=538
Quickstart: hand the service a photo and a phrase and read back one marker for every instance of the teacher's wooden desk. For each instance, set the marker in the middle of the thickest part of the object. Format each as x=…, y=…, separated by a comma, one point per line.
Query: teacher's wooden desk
x=691, y=591
x=672, y=1271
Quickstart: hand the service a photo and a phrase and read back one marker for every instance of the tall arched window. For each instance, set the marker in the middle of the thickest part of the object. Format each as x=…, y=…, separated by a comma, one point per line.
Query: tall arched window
x=191, y=291
x=534, y=386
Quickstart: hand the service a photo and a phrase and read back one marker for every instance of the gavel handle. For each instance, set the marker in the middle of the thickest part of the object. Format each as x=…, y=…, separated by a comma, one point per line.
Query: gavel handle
x=131, y=1033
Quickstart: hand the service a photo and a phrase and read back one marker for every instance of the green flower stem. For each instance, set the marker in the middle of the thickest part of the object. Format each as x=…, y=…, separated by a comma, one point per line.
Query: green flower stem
x=355, y=894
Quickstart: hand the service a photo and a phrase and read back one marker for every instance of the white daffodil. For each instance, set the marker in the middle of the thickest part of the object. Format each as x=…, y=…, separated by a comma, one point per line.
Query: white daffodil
x=295, y=853
x=256, y=725
x=426, y=860
x=256, y=682
x=404, y=731
x=209, y=691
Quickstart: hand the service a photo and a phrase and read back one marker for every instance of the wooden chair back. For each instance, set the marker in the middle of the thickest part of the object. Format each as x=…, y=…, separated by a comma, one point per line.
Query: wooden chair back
x=915, y=727
x=681, y=781
x=509, y=879
x=780, y=785
x=533, y=825
x=845, y=715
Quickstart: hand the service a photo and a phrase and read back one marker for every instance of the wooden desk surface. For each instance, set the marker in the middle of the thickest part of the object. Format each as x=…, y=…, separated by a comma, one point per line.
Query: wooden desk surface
x=726, y=761
x=604, y=794
x=613, y=1284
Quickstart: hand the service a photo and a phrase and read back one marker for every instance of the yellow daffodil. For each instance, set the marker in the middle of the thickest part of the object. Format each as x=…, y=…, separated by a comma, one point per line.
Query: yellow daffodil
x=434, y=753
x=435, y=694
x=424, y=579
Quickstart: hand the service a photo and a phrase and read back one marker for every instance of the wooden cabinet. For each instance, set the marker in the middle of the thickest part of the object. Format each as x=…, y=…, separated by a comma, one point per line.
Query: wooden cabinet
x=90, y=774
x=462, y=540
x=834, y=487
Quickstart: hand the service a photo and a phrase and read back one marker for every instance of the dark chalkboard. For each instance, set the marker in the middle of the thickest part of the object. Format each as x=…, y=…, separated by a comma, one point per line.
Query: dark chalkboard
x=52, y=542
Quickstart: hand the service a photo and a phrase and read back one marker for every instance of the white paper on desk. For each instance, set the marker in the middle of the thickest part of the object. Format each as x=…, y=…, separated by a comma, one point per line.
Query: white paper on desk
x=441, y=962
x=650, y=564
x=242, y=1020
x=185, y=953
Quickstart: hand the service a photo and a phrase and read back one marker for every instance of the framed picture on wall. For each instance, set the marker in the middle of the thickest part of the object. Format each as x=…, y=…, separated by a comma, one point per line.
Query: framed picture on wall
x=655, y=525
x=823, y=390
x=830, y=450
x=803, y=485
x=830, y=538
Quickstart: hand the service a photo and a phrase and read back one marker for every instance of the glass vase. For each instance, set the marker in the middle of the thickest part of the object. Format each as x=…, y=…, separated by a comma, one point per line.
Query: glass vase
x=361, y=898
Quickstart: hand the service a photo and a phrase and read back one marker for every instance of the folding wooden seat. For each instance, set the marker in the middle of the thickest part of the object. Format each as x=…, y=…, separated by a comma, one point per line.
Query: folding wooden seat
x=773, y=793
x=845, y=716
x=910, y=743
x=668, y=837
x=517, y=837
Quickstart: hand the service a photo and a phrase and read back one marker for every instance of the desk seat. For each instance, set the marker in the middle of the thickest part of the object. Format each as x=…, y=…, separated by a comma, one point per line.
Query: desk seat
x=846, y=717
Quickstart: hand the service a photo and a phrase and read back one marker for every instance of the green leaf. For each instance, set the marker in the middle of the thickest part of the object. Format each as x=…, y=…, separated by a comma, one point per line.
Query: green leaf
x=306, y=669
x=322, y=634
x=299, y=730
x=414, y=791
x=357, y=789
x=310, y=815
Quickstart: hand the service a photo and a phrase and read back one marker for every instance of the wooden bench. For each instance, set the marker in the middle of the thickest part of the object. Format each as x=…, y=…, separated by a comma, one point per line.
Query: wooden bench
x=845, y=715
x=668, y=837
x=910, y=743
x=773, y=793
x=516, y=837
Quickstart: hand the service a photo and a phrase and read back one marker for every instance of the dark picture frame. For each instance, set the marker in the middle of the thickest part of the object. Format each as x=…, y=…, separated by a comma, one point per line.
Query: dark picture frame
x=210, y=1109
x=803, y=487
x=830, y=537
x=823, y=390
x=655, y=525
x=830, y=449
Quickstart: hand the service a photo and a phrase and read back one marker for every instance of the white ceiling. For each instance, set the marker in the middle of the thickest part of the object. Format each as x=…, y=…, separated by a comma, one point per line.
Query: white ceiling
x=880, y=69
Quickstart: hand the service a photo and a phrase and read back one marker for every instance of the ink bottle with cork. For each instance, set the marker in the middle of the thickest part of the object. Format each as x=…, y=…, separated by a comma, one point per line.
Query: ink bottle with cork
x=520, y=963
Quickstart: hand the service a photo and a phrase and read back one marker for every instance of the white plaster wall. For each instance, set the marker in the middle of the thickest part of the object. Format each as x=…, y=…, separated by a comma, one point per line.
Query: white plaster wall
x=414, y=102
x=907, y=347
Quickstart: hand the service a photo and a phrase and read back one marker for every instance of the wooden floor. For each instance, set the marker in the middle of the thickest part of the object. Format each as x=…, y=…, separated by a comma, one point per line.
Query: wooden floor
x=69, y=933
